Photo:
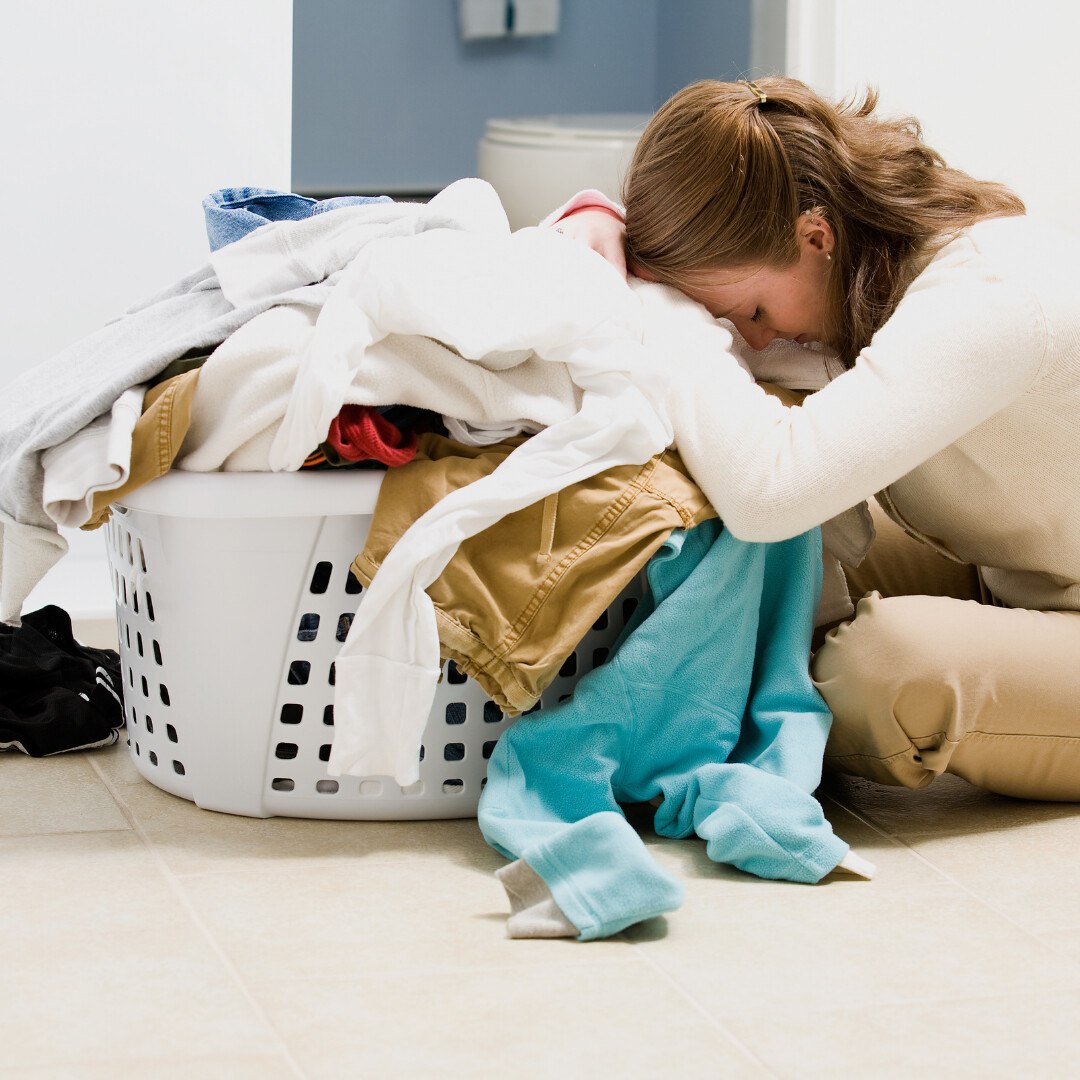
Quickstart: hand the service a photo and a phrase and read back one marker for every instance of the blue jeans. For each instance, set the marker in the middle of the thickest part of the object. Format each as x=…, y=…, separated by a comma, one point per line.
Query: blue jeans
x=234, y=212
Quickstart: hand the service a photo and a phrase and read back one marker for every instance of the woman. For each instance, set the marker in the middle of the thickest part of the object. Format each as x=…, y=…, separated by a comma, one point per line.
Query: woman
x=958, y=321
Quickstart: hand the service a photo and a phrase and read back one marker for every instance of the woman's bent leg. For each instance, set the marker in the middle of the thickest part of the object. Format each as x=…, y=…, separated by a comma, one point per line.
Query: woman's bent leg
x=920, y=685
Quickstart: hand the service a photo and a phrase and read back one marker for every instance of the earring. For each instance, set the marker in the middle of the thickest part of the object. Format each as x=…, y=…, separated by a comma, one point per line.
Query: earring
x=828, y=256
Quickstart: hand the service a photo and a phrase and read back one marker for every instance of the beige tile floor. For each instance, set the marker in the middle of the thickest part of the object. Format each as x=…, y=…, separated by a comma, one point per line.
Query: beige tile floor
x=144, y=937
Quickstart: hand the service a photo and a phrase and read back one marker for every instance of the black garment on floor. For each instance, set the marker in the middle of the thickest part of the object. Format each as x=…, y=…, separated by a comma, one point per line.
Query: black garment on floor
x=56, y=694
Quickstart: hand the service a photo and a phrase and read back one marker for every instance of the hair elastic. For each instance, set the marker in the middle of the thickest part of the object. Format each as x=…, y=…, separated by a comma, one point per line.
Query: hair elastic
x=755, y=90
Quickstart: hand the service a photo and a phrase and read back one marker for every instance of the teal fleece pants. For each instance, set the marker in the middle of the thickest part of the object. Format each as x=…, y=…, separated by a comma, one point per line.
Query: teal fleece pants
x=707, y=702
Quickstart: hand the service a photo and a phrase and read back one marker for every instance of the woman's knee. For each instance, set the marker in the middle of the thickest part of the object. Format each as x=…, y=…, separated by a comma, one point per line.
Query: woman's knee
x=886, y=642
x=883, y=676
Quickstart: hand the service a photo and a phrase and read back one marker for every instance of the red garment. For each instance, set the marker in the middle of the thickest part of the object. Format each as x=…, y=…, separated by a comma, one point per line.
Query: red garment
x=359, y=432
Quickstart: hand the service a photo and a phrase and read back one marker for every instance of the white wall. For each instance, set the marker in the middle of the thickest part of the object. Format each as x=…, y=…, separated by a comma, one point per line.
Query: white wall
x=993, y=82
x=116, y=117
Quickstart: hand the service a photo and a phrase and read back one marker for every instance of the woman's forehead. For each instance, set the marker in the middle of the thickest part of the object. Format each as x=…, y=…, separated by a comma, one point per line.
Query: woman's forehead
x=730, y=288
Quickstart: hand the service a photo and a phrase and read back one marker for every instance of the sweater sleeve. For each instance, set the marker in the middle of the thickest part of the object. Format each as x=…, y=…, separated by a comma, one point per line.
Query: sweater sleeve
x=962, y=344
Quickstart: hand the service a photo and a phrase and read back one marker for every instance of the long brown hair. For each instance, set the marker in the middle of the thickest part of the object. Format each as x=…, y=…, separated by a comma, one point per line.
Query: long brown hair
x=722, y=172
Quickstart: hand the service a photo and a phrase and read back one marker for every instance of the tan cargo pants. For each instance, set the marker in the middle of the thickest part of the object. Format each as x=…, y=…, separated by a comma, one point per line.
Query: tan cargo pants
x=930, y=676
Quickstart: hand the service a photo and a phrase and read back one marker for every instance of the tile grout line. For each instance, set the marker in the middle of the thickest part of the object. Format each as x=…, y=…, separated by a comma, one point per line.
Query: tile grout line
x=709, y=1018
x=284, y=865
x=178, y=891
x=870, y=824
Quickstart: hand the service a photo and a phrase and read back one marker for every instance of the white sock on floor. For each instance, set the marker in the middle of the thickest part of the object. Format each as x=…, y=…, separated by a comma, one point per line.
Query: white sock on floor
x=533, y=911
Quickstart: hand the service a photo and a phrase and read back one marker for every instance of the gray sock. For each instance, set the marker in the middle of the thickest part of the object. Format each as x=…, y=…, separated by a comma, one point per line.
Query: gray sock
x=533, y=911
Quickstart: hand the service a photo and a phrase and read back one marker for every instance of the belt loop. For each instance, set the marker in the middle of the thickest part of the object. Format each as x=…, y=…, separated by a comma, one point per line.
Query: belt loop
x=547, y=527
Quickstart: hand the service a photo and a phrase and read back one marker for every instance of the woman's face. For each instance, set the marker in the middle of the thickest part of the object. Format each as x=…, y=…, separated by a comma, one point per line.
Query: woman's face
x=764, y=303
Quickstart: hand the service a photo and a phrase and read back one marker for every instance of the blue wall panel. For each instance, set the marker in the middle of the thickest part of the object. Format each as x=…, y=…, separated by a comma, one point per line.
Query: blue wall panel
x=388, y=97
x=700, y=39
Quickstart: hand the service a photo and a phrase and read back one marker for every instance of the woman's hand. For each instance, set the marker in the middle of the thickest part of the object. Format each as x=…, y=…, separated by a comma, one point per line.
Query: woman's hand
x=603, y=232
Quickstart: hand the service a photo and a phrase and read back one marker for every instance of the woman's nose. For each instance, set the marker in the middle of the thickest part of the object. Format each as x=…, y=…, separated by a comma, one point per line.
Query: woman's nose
x=757, y=337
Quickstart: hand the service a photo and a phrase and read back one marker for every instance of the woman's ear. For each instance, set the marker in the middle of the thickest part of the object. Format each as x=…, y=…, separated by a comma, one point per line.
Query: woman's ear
x=815, y=233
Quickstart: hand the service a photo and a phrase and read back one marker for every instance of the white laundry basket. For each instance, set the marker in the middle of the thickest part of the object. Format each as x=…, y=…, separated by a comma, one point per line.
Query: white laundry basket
x=233, y=596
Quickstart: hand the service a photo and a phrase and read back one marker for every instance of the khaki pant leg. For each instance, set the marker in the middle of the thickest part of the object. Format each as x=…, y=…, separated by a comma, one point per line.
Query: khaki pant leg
x=931, y=677
x=921, y=685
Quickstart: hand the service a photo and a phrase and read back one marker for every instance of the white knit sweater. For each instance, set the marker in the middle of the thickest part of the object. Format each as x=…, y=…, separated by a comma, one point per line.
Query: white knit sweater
x=963, y=412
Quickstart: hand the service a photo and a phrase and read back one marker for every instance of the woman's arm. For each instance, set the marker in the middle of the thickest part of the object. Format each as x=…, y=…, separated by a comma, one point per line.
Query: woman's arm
x=961, y=345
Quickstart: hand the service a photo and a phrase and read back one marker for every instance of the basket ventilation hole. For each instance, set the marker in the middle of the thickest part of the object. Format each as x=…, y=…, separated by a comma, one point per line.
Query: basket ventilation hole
x=286, y=751
x=123, y=589
x=370, y=787
x=282, y=783
x=157, y=654
x=324, y=752
x=536, y=708
x=328, y=716
x=135, y=600
x=422, y=752
x=628, y=606
x=299, y=670
x=131, y=677
x=138, y=751
x=569, y=666
x=142, y=556
x=163, y=691
x=138, y=643
x=149, y=607
x=134, y=718
x=343, y=624
x=352, y=587
x=309, y=627
x=563, y=697
x=600, y=655
x=601, y=623
x=291, y=713
x=171, y=732
x=127, y=634
x=332, y=674
x=455, y=712
x=453, y=787
x=327, y=787
x=153, y=757
x=453, y=675
x=489, y=749
x=145, y=687
x=149, y=725
x=178, y=767
x=492, y=713
x=454, y=751
x=321, y=578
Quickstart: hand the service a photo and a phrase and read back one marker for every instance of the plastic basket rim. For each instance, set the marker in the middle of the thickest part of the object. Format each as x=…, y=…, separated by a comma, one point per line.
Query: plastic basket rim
x=228, y=495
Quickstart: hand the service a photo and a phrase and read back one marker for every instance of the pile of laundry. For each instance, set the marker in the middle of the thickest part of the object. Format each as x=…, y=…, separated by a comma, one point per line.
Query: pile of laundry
x=503, y=380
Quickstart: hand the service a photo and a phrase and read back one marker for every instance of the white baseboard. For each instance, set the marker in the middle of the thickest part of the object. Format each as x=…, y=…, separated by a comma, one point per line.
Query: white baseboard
x=80, y=584
x=97, y=633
